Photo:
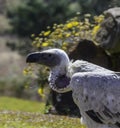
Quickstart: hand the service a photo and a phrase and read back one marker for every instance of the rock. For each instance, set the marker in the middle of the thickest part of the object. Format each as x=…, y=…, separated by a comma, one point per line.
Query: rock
x=108, y=35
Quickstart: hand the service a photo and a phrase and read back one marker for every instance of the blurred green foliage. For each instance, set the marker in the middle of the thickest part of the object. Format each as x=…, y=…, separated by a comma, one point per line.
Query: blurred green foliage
x=22, y=45
x=33, y=16
x=18, y=87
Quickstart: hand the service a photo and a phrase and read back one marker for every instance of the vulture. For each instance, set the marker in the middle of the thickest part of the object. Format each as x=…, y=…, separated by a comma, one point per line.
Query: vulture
x=95, y=90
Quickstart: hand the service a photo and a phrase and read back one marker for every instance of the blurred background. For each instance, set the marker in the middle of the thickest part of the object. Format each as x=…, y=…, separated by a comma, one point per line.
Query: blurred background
x=19, y=19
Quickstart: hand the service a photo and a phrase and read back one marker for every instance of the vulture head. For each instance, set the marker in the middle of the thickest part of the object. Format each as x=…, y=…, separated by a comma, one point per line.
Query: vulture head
x=57, y=60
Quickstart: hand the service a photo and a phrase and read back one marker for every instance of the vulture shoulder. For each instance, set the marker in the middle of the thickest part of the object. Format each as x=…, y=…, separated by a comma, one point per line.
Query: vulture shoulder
x=84, y=66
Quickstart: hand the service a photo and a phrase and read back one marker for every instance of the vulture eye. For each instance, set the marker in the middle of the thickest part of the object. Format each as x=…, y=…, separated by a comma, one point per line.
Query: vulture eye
x=46, y=56
x=49, y=55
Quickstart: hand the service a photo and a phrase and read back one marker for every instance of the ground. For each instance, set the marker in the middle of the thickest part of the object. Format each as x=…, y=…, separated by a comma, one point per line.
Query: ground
x=17, y=113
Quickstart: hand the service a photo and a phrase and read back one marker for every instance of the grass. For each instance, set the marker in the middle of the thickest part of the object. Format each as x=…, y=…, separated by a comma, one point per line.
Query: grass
x=14, y=104
x=17, y=113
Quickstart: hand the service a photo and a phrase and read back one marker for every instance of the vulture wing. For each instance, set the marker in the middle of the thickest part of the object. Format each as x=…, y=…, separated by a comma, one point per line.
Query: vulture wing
x=97, y=94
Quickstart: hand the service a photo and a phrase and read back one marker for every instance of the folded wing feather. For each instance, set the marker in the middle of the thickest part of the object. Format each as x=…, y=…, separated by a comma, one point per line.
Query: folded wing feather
x=98, y=95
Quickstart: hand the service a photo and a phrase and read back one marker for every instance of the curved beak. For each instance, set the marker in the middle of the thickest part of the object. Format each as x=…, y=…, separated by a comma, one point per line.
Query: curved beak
x=44, y=58
x=33, y=57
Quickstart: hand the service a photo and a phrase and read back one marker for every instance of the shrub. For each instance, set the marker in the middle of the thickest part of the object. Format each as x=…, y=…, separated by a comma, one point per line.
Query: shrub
x=65, y=36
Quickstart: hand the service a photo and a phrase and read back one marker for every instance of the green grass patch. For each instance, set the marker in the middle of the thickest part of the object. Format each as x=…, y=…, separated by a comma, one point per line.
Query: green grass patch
x=17, y=113
x=15, y=104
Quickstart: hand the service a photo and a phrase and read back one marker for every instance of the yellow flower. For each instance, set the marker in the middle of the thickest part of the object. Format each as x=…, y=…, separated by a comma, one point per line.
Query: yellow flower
x=75, y=23
x=37, y=39
x=83, y=126
x=60, y=36
x=67, y=35
x=99, y=19
x=25, y=71
x=72, y=24
x=47, y=33
x=95, y=29
x=41, y=92
x=69, y=25
x=45, y=44
x=77, y=34
x=64, y=48
x=65, y=44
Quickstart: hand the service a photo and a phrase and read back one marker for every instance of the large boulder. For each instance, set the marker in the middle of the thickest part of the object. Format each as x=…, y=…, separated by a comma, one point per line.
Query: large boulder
x=108, y=36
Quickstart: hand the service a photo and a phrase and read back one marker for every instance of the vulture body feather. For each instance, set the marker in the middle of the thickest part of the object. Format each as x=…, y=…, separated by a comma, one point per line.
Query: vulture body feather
x=96, y=90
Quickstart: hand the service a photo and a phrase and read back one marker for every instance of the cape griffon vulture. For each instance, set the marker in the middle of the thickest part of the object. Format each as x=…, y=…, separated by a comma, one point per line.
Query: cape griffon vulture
x=96, y=90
